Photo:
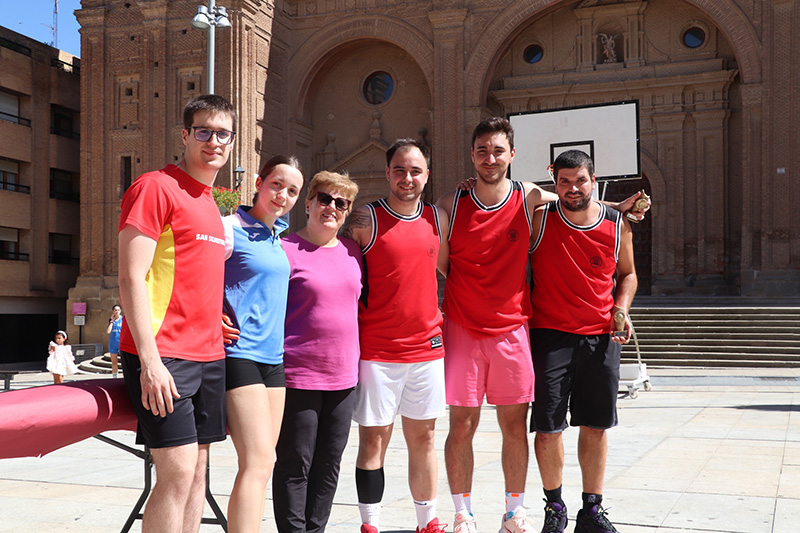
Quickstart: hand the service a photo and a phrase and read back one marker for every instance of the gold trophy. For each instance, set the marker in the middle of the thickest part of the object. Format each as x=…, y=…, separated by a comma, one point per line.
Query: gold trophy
x=619, y=322
x=638, y=205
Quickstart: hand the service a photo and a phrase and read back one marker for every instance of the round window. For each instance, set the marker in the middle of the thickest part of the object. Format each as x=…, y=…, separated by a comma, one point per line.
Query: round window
x=378, y=87
x=694, y=37
x=533, y=54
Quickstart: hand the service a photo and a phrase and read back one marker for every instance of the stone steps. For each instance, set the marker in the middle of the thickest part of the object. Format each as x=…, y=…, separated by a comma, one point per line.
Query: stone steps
x=98, y=365
x=729, y=335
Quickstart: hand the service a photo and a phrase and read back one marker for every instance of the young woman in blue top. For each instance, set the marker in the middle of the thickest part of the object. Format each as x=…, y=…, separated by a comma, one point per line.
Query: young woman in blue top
x=256, y=285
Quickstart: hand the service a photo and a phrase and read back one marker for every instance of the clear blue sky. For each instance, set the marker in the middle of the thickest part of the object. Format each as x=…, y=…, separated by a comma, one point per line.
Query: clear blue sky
x=34, y=18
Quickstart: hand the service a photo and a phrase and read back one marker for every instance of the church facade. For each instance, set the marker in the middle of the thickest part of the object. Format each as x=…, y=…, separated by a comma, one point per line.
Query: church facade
x=336, y=81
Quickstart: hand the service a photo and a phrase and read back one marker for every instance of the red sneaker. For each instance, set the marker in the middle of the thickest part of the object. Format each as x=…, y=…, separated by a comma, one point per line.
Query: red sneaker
x=366, y=528
x=433, y=527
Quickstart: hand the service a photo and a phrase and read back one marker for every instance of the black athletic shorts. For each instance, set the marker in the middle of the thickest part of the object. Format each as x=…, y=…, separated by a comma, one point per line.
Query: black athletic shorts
x=579, y=372
x=242, y=372
x=197, y=416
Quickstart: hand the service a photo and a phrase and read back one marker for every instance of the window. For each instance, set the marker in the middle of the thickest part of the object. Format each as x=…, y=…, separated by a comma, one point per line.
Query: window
x=9, y=245
x=9, y=109
x=65, y=185
x=126, y=173
x=61, y=248
x=533, y=54
x=378, y=88
x=694, y=37
x=9, y=177
x=64, y=122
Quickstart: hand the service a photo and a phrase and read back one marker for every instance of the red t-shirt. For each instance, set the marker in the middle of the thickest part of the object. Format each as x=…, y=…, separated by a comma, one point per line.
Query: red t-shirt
x=398, y=317
x=486, y=290
x=573, y=272
x=185, y=280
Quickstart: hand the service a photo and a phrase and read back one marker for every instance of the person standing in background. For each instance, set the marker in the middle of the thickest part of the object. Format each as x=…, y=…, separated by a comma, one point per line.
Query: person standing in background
x=113, y=330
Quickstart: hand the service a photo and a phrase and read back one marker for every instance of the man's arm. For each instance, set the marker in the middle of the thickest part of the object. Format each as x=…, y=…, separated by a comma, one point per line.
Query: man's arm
x=358, y=226
x=536, y=196
x=136, y=252
x=627, y=205
x=627, y=281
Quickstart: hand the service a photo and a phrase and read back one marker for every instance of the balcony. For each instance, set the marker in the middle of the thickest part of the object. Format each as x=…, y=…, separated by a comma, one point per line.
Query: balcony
x=16, y=141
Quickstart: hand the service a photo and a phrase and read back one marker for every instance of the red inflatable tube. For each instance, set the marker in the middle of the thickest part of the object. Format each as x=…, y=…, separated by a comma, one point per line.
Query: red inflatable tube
x=39, y=420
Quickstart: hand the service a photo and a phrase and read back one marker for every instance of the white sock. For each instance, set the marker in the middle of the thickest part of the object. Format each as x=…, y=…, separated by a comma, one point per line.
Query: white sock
x=514, y=501
x=370, y=513
x=462, y=502
x=426, y=511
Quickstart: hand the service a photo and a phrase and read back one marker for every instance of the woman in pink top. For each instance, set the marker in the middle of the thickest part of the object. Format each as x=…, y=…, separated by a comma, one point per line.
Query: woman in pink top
x=320, y=358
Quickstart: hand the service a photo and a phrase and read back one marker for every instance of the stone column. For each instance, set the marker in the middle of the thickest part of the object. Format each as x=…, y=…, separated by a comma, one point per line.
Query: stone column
x=448, y=100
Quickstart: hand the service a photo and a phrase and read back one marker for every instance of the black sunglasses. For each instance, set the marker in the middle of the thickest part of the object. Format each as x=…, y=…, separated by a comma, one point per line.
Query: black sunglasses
x=342, y=204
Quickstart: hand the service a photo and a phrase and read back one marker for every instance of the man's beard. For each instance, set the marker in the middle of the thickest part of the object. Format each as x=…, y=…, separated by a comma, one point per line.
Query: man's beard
x=582, y=205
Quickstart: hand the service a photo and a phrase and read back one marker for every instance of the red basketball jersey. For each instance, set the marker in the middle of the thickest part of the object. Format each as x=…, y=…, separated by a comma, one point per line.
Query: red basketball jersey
x=573, y=272
x=486, y=290
x=399, y=319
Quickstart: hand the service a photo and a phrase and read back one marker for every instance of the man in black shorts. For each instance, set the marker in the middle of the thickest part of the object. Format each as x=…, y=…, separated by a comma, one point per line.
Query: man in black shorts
x=171, y=261
x=578, y=247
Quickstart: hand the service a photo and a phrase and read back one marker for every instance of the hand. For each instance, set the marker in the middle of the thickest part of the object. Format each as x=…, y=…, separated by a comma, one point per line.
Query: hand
x=229, y=333
x=619, y=339
x=158, y=388
x=467, y=185
x=627, y=206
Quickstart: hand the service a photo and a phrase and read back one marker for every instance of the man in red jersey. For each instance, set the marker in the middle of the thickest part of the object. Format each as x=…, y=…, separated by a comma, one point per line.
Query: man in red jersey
x=171, y=260
x=401, y=370
x=583, y=275
x=487, y=307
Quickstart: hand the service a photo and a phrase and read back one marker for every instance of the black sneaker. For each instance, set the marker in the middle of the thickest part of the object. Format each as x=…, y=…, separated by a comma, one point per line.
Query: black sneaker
x=555, y=518
x=594, y=521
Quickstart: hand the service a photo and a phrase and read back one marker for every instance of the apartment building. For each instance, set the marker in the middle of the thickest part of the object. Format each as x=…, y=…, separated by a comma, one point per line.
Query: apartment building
x=39, y=193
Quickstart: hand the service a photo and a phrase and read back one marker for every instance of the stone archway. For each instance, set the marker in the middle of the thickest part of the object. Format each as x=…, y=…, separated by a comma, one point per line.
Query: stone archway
x=728, y=17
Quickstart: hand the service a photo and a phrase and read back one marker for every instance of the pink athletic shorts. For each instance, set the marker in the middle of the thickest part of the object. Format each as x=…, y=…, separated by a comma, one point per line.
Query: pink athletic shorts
x=499, y=368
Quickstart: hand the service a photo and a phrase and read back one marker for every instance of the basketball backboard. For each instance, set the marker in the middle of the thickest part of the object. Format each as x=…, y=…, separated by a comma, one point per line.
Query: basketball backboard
x=609, y=133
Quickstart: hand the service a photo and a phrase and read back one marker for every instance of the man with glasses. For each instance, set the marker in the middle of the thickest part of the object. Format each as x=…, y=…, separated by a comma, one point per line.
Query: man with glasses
x=400, y=327
x=171, y=257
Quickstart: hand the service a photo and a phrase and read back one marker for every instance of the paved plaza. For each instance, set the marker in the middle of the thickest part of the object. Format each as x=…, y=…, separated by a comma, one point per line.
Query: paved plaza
x=707, y=450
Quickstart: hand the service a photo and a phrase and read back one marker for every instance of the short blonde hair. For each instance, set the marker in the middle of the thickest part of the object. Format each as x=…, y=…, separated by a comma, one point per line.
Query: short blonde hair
x=335, y=181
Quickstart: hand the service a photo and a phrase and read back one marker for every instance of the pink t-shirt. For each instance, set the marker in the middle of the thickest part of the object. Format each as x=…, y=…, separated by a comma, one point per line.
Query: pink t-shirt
x=321, y=350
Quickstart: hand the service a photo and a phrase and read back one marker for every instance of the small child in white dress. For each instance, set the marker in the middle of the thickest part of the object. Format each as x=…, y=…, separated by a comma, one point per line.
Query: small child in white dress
x=61, y=362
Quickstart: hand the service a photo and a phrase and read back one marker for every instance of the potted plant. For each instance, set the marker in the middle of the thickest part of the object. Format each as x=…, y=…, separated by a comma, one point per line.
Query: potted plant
x=227, y=199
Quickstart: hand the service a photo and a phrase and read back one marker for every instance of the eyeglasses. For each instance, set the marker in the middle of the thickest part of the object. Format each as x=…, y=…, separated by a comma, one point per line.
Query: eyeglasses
x=342, y=204
x=204, y=135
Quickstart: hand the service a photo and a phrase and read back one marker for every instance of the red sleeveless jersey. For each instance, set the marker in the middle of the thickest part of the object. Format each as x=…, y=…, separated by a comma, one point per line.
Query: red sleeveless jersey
x=398, y=317
x=486, y=290
x=573, y=272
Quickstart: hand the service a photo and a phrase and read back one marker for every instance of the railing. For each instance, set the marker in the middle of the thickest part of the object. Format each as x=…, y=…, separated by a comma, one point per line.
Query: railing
x=15, y=119
x=65, y=133
x=11, y=186
x=57, y=258
x=11, y=45
x=14, y=256
x=66, y=67
x=68, y=196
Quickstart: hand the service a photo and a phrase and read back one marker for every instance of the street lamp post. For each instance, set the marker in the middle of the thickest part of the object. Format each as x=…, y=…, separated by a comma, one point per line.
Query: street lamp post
x=238, y=173
x=209, y=18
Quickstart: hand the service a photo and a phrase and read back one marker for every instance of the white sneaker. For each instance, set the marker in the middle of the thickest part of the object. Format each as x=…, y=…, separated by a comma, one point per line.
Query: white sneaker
x=518, y=523
x=465, y=523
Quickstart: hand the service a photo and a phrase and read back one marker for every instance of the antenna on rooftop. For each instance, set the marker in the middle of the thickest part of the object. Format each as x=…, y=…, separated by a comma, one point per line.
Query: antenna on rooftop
x=54, y=27
x=55, y=23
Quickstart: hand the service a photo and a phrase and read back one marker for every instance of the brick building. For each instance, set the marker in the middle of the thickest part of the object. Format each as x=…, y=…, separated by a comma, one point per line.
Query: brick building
x=335, y=81
x=39, y=193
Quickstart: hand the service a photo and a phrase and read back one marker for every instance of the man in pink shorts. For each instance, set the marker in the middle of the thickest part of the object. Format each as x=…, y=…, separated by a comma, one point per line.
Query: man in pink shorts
x=487, y=307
